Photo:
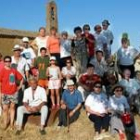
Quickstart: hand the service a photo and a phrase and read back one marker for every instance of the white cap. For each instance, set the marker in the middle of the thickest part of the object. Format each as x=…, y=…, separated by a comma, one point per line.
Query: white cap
x=70, y=83
x=25, y=39
x=52, y=58
x=16, y=47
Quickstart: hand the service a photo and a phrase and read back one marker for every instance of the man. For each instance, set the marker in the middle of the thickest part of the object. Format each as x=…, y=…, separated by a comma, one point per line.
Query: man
x=70, y=105
x=79, y=52
x=9, y=91
x=27, y=52
x=34, y=101
x=90, y=41
x=42, y=63
x=20, y=63
x=101, y=40
x=99, y=63
x=109, y=35
x=127, y=56
x=87, y=81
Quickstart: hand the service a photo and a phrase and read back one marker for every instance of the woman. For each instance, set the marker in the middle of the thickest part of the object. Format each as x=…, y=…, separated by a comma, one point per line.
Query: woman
x=97, y=109
x=53, y=44
x=69, y=72
x=40, y=41
x=118, y=106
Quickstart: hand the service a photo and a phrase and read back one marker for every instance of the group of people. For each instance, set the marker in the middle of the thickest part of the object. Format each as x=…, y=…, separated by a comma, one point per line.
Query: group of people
x=73, y=72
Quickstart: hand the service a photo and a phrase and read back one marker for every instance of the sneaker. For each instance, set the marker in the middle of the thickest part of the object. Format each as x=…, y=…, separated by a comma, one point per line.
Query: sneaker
x=18, y=132
x=122, y=136
x=42, y=132
x=137, y=136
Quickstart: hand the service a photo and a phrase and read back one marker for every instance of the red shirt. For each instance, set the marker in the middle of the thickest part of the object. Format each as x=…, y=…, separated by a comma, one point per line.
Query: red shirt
x=1, y=65
x=89, y=80
x=91, y=46
x=8, y=80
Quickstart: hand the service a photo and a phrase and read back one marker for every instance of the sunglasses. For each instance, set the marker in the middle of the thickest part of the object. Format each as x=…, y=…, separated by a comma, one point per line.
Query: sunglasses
x=98, y=87
x=118, y=90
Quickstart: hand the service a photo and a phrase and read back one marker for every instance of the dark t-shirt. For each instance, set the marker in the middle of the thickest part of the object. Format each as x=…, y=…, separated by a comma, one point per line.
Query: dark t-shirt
x=42, y=64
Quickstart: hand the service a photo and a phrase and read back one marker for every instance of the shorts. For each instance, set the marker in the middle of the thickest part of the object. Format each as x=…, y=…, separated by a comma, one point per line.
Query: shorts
x=43, y=83
x=54, y=84
x=7, y=99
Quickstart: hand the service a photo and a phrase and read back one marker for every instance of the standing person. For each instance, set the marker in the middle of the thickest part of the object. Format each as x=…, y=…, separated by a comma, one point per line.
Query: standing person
x=20, y=63
x=97, y=109
x=101, y=40
x=9, y=91
x=42, y=63
x=34, y=101
x=109, y=35
x=53, y=44
x=40, y=41
x=1, y=62
x=126, y=57
x=90, y=40
x=79, y=52
x=65, y=48
x=70, y=103
x=27, y=51
x=54, y=75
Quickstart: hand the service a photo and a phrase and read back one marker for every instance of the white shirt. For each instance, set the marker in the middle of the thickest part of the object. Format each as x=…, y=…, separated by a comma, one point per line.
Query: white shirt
x=39, y=96
x=54, y=72
x=66, y=71
x=22, y=65
x=41, y=42
x=131, y=86
x=119, y=104
x=97, y=102
x=109, y=35
x=127, y=56
x=100, y=41
x=28, y=54
x=65, y=48
x=100, y=68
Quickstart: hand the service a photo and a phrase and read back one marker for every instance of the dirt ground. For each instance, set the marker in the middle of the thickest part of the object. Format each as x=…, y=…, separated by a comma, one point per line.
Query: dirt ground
x=82, y=129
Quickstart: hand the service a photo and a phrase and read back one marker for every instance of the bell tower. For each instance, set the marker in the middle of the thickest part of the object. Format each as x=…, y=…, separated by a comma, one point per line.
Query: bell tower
x=52, y=19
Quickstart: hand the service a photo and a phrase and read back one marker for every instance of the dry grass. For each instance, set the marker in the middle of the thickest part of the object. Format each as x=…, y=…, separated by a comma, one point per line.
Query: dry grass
x=82, y=129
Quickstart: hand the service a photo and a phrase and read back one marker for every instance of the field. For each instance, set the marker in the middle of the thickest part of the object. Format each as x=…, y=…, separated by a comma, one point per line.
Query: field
x=82, y=129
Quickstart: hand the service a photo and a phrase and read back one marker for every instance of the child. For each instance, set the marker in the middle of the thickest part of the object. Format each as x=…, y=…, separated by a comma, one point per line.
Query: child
x=54, y=74
x=118, y=106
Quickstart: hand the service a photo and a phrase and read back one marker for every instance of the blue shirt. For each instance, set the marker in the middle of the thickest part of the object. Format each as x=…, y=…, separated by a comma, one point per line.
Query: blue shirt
x=72, y=100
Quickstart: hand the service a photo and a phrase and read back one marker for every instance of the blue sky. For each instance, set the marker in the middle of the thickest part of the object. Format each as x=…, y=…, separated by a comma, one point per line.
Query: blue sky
x=31, y=14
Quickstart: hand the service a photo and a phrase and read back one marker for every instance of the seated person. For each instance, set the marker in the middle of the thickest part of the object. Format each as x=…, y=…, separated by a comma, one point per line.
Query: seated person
x=130, y=84
x=97, y=109
x=34, y=100
x=99, y=63
x=118, y=106
x=70, y=105
x=87, y=80
x=68, y=72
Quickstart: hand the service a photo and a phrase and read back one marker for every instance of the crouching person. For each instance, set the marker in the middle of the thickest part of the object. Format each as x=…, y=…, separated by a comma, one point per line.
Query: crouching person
x=121, y=119
x=97, y=110
x=34, y=100
x=70, y=105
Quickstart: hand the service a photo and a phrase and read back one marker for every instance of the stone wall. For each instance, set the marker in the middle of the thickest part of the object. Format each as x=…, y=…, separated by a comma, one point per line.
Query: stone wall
x=7, y=43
